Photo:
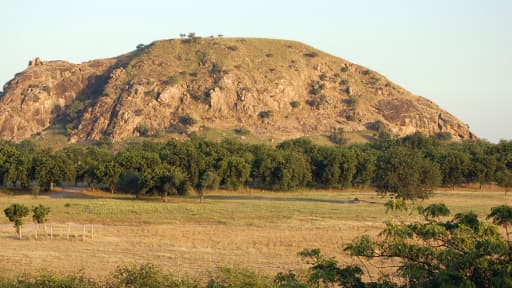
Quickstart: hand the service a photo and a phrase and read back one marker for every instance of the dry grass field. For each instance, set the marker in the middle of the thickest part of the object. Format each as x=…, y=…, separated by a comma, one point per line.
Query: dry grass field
x=262, y=231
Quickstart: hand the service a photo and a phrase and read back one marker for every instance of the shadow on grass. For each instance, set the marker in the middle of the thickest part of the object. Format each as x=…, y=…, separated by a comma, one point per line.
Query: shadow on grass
x=285, y=199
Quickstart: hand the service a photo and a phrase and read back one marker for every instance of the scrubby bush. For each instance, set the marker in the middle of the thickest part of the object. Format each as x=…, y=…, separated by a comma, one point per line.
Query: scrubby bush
x=311, y=54
x=265, y=114
x=242, y=131
x=187, y=120
x=295, y=104
x=318, y=101
x=232, y=48
x=338, y=136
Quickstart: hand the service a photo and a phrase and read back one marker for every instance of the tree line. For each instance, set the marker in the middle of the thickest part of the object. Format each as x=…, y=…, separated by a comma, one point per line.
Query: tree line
x=409, y=167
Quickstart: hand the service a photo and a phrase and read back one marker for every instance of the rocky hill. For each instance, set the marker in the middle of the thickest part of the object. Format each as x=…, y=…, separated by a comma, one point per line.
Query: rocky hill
x=271, y=88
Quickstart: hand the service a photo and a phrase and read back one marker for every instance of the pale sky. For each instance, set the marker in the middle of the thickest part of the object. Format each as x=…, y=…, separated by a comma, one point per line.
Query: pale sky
x=457, y=53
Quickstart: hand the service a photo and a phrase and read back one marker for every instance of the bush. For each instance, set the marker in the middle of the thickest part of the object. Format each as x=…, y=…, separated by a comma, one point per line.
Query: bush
x=316, y=87
x=352, y=101
x=344, y=69
x=338, y=136
x=187, y=120
x=232, y=48
x=443, y=136
x=170, y=81
x=242, y=131
x=295, y=104
x=236, y=277
x=318, y=101
x=265, y=114
x=311, y=54
x=142, y=130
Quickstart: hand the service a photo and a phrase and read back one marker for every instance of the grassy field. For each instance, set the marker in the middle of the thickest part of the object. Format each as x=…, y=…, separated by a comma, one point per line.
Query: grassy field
x=259, y=230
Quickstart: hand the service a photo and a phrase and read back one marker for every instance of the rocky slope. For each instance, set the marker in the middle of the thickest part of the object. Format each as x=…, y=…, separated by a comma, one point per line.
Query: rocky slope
x=270, y=87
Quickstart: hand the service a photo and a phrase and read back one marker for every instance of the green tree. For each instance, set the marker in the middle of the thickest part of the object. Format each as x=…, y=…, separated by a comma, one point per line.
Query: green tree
x=234, y=172
x=504, y=178
x=108, y=172
x=434, y=211
x=8, y=156
x=281, y=170
x=130, y=182
x=406, y=174
x=364, y=166
x=15, y=213
x=208, y=181
x=502, y=215
x=52, y=168
x=461, y=252
x=173, y=181
x=39, y=215
x=454, y=166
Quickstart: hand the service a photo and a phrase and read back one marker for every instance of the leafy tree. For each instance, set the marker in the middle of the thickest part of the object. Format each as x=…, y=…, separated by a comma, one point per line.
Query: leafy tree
x=129, y=182
x=326, y=166
x=15, y=213
x=173, y=181
x=434, y=211
x=8, y=156
x=209, y=181
x=461, y=252
x=281, y=170
x=406, y=174
x=234, y=172
x=502, y=215
x=454, y=166
x=504, y=178
x=39, y=213
x=50, y=168
x=108, y=172
x=395, y=205
x=364, y=166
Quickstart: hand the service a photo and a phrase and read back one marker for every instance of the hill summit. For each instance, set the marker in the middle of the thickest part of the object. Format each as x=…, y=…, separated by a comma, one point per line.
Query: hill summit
x=274, y=88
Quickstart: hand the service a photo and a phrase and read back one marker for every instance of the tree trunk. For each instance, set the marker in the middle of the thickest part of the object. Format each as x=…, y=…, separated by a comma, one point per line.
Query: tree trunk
x=19, y=231
x=111, y=189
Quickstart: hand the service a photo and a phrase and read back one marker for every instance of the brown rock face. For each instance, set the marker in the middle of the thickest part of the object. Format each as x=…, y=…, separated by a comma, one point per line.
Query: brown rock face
x=274, y=88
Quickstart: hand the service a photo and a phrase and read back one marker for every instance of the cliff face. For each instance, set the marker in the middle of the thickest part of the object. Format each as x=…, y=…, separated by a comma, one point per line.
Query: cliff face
x=269, y=87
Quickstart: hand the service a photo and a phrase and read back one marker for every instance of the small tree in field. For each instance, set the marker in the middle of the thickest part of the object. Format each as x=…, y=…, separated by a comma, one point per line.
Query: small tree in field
x=16, y=213
x=39, y=214
x=209, y=181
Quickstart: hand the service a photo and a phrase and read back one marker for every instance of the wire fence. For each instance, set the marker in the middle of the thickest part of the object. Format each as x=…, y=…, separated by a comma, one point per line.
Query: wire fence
x=53, y=231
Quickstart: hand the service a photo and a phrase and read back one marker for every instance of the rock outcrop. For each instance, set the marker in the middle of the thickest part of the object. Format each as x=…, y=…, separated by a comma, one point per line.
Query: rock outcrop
x=270, y=87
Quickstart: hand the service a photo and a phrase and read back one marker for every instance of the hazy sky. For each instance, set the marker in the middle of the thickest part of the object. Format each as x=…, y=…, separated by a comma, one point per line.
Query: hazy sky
x=456, y=53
